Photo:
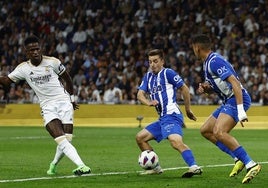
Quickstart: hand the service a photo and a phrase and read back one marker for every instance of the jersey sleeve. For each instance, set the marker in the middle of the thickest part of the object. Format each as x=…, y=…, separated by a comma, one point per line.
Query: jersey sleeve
x=17, y=74
x=221, y=68
x=144, y=84
x=58, y=67
x=174, y=78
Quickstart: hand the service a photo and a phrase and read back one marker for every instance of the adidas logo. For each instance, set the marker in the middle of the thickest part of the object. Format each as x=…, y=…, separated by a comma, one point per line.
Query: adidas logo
x=31, y=73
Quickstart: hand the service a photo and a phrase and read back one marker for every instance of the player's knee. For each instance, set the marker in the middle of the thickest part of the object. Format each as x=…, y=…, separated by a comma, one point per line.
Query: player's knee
x=206, y=135
x=203, y=131
x=177, y=145
x=174, y=145
x=59, y=139
x=139, y=138
x=69, y=137
x=218, y=134
x=142, y=137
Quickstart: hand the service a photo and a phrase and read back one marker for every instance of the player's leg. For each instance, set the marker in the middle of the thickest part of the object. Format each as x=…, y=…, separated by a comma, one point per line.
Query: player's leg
x=142, y=139
x=206, y=131
x=151, y=132
x=239, y=165
x=171, y=128
x=68, y=130
x=187, y=155
x=224, y=124
x=55, y=129
x=56, y=115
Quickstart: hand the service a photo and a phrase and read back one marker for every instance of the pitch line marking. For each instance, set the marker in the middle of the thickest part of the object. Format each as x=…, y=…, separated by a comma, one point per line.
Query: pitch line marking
x=111, y=173
x=24, y=138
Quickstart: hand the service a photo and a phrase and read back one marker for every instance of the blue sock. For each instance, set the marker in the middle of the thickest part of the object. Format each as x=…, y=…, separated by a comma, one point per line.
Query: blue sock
x=225, y=149
x=242, y=155
x=188, y=157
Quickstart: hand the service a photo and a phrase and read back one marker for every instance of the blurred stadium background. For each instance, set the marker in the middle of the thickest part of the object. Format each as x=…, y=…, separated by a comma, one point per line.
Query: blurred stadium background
x=103, y=43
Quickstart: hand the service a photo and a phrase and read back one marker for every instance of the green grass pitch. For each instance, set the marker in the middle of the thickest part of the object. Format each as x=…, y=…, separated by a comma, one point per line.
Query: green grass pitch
x=112, y=154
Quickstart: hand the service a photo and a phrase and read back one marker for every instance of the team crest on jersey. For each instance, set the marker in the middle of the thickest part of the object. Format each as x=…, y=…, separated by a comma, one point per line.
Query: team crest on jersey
x=47, y=68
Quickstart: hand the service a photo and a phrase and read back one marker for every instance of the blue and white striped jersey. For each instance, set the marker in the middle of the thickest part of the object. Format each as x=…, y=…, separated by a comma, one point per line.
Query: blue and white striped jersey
x=217, y=70
x=162, y=87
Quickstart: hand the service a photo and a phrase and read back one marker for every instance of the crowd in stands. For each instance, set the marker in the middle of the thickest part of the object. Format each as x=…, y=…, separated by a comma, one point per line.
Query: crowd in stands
x=103, y=43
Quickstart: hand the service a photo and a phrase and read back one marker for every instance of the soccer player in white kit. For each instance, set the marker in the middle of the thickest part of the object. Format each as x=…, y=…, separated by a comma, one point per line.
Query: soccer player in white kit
x=53, y=86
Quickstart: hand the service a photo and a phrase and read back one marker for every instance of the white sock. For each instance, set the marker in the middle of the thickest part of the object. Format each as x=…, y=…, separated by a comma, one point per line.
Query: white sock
x=250, y=164
x=69, y=150
x=193, y=167
x=59, y=153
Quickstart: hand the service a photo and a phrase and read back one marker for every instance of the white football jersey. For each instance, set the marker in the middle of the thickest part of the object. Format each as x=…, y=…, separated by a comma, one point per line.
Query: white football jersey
x=43, y=79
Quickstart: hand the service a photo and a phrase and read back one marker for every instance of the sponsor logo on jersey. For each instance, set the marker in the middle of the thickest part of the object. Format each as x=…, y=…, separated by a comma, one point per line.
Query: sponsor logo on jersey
x=157, y=89
x=177, y=78
x=41, y=79
x=221, y=70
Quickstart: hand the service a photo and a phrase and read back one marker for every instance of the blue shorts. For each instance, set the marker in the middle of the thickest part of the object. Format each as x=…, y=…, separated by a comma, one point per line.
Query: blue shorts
x=165, y=126
x=230, y=107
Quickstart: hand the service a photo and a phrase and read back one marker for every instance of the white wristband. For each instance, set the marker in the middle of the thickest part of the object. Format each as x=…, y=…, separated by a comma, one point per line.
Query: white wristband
x=72, y=98
x=240, y=107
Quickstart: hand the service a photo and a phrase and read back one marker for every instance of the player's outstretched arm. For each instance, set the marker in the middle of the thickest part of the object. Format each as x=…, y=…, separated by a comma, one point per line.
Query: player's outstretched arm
x=187, y=102
x=5, y=81
x=69, y=87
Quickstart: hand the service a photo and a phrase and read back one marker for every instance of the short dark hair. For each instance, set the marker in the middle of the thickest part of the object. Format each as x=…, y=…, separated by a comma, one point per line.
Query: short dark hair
x=158, y=52
x=31, y=39
x=203, y=40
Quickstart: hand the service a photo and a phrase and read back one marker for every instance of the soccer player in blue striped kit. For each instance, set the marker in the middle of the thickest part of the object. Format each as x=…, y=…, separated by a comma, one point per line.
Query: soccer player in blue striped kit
x=221, y=78
x=161, y=84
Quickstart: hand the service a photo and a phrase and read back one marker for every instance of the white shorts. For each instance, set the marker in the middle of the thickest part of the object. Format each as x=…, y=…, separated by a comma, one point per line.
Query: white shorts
x=62, y=110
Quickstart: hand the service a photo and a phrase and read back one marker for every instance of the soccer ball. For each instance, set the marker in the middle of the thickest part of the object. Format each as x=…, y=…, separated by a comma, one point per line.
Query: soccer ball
x=148, y=159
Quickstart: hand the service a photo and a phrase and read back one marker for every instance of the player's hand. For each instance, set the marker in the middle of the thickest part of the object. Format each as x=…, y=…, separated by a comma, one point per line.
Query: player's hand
x=242, y=116
x=190, y=115
x=204, y=88
x=75, y=106
x=200, y=89
x=153, y=103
